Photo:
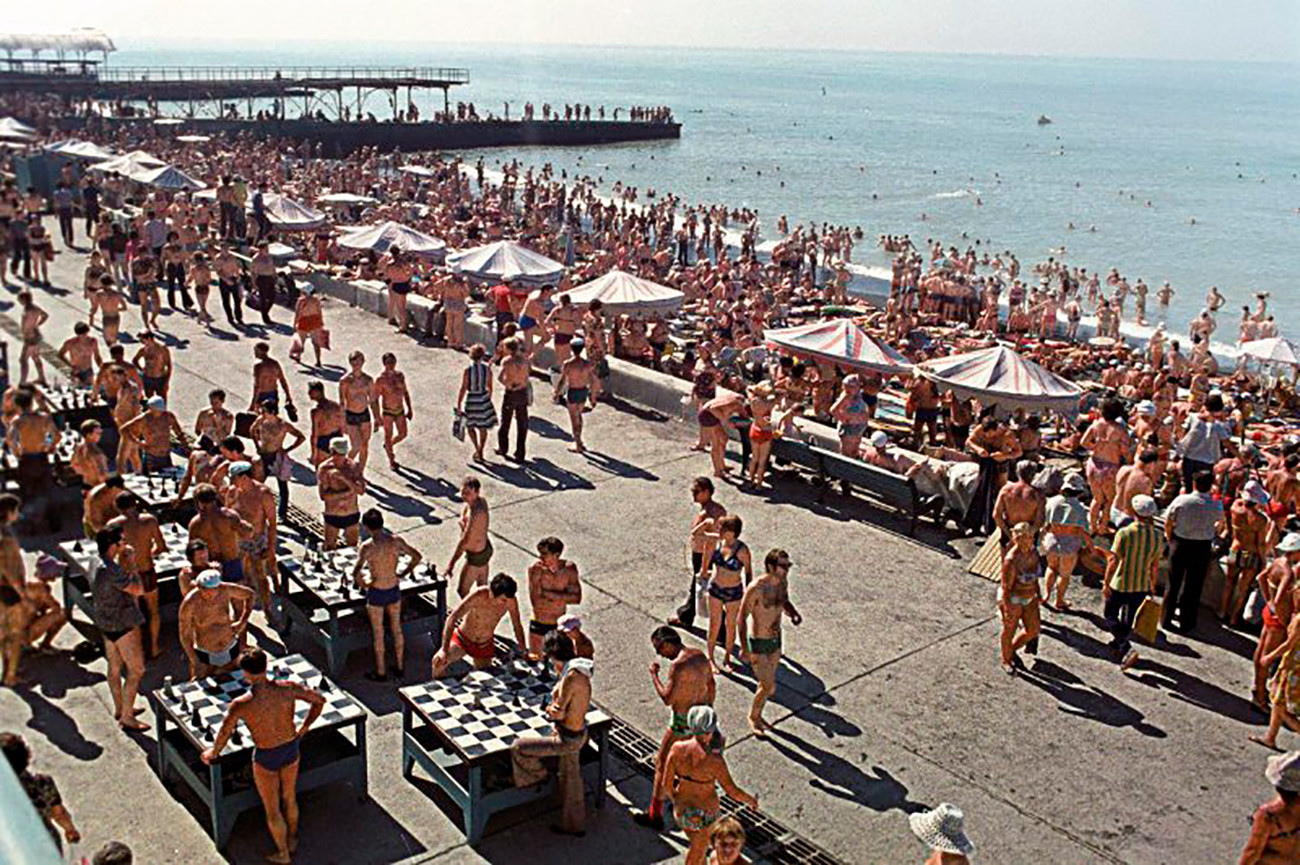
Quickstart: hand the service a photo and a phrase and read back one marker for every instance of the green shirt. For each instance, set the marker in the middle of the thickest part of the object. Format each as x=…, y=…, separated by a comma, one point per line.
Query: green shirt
x=1138, y=547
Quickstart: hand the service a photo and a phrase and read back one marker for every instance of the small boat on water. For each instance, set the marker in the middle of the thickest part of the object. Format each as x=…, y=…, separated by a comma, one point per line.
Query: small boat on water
x=1044, y=120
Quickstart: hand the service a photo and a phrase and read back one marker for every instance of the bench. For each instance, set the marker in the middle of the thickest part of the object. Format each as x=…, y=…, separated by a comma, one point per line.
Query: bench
x=886, y=487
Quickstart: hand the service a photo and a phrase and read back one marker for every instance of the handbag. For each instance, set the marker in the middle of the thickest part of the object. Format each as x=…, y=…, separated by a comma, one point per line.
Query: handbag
x=1254, y=611
x=1147, y=623
x=322, y=337
x=458, y=424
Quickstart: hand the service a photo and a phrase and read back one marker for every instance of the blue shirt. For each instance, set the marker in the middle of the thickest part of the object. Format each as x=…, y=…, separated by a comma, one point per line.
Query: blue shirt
x=1194, y=516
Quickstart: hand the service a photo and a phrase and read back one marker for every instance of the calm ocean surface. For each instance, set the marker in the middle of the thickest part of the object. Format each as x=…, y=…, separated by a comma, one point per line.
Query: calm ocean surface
x=925, y=134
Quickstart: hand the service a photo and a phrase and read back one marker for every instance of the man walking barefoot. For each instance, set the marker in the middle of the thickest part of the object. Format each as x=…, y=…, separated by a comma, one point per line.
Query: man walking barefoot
x=766, y=600
x=380, y=555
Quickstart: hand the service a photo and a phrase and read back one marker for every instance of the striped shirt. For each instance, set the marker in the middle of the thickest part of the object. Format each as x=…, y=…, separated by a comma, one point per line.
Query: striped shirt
x=1137, y=546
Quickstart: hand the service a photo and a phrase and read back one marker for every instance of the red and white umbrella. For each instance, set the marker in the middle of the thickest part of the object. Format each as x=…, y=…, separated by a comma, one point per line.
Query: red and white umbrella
x=840, y=341
x=1000, y=376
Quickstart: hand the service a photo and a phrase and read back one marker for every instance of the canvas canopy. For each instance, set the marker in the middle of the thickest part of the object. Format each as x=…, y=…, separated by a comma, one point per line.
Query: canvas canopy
x=80, y=41
x=288, y=215
x=168, y=177
x=840, y=341
x=381, y=237
x=15, y=130
x=82, y=150
x=133, y=164
x=999, y=376
x=621, y=293
x=504, y=260
x=1274, y=349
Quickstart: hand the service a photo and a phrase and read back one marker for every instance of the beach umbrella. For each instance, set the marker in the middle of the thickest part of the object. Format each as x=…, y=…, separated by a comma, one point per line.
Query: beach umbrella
x=193, y=139
x=1000, y=376
x=418, y=170
x=132, y=164
x=346, y=198
x=16, y=128
x=87, y=150
x=840, y=341
x=168, y=177
x=506, y=259
x=1274, y=349
x=625, y=294
x=286, y=214
x=380, y=238
x=168, y=121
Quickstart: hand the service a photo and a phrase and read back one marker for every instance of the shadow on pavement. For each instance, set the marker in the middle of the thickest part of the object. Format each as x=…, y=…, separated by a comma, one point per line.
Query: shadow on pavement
x=838, y=777
x=58, y=727
x=616, y=466
x=438, y=488
x=404, y=506
x=538, y=473
x=1196, y=692
x=1087, y=701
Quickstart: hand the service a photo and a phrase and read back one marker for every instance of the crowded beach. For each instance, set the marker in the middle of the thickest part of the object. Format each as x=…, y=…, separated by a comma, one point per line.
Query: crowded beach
x=998, y=401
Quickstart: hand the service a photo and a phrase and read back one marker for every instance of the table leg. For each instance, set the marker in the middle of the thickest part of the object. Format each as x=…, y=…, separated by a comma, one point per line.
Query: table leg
x=331, y=641
x=602, y=775
x=218, y=812
x=475, y=819
x=408, y=759
x=363, y=782
x=160, y=727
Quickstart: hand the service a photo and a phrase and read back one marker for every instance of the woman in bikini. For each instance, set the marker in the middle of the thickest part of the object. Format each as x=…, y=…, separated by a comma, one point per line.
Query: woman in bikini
x=852, y=413
x=1109, y=445
x=399, y=274
x=762, y=399
x=1018, y=597
x=730, y=559
x=694, y=769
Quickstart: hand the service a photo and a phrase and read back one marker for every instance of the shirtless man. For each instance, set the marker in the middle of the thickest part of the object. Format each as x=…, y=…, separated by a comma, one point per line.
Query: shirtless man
x=81, y=353
x=339, y=481
x=924, y=401
x=533, y=314
x=381, y=556
x=101, y=505
x=88, y=460
x=553, y=585
x=1019, y=502
x=262, y=268
x=45, y=615
x=221, y=529
x=1135, y=479
x=32, y=438
x=268, y=379
x=228, y=270
x=690, y=683
x=1277, y=584
x=154, y=361
x=110, y=303
x=1283, y=488
x=255, y=505
x=398, y=273
x=577, y=374
x=563, y=321
x=142, y=534
x=152, y=430
x=470, y=627
x=200, y=467
x=216, y=421
x=513, y=377
x=394, y=406
x=703, y=525
x=197, y=561
x=214, y=624
x=357, y=396
x=455, y=293
x=269, y=432
x=1251, y=532
x=326, y=422
x=474, y=542
x=33, y=318
x=115, y=375
x=766, y=600
x=1109, y=445
x=267, y=709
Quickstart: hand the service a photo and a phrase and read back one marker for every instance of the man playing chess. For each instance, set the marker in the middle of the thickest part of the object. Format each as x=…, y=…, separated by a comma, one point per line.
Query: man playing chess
x=380, y=556
x=153, y=430
x=267, y=709
x=570, y=700
x=255, y=505
x=339, y=482
x=88, y=460
x=142, y=534
x=221, y=529
x=469, y=629
x=101, y=504
x=211, y=635
x=553, y=584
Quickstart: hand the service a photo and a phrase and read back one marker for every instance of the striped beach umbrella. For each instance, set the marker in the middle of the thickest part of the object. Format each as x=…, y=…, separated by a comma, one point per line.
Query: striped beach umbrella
x=1000, y=376
x=840, y=341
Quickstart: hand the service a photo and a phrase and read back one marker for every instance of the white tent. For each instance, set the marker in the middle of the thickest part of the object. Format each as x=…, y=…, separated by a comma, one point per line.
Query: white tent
x=622, y=293
x=193, y=139
x=15, y=130
x=132, y=165
x=168, y=177
x=82, y=150
x=346, y=198
x=999, y=376
x=1274, y=349
x=506, y=259
x=286, y=214
x=168, y=121
x=418, y=170
x=381, y=237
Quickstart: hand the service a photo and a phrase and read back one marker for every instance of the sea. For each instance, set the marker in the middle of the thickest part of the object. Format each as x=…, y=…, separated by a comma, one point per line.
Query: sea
x=1187, y=171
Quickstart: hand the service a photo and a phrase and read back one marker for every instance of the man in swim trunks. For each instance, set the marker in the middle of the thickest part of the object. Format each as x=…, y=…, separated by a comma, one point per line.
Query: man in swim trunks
x=221, y=529
x=766, y=600
x=553, y=584
x=703, y=525
x=533, y=315
x=154, y=360
x=115, y=375
x=1251, y=532
x=153, y=430
x=268, y=379
x=81, y=353
x=577, y=374
x=395, y=410
x=117, y=615
x=214, y=623
x=1109, y=445
x=267, y=710
x=101, y=505
x=380, y=556
x=326, y=422
x=142, y=535
x=1134, y=479
x=269, y=432
x=357, y=396
x=925, y=405
x=469, y=628
x=340, y=483
x=255, y=504
x=1019, y=502
x=690, y=683
x=474, y=542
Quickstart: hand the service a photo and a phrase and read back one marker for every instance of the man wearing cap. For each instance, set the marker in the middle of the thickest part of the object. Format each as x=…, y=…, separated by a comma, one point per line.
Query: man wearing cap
x=381, y=555
x=1250, y=531
x=46, y=614
x=1191, y=524
x=941, y=830
x=154, y=360
x=571, y=626
x=326, y=421
x=214, y=623
x=142, y=535
x=766, y=600
x=339, y=481
x=152, y=430
x=255, y=505
x=1275, y=827
x=1131, y=575
x=221, y=529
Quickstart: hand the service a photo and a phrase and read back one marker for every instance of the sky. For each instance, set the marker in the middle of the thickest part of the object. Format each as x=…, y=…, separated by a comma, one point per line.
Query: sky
x=1263, y=30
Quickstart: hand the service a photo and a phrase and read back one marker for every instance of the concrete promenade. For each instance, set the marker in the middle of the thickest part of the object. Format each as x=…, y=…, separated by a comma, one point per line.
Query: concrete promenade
x=890, y=700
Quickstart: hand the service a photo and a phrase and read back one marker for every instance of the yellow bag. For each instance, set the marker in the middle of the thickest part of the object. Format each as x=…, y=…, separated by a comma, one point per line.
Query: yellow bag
x=1147, y=623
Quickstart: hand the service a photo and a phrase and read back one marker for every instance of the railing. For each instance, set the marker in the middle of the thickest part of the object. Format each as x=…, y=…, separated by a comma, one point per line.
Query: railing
x=142, y=74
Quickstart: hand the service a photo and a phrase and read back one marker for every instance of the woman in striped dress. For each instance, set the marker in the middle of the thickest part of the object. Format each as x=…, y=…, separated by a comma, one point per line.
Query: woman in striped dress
x=475, y=400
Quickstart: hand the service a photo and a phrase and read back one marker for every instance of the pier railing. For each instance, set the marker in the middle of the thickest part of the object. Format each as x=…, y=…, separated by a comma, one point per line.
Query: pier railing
x=232, y=74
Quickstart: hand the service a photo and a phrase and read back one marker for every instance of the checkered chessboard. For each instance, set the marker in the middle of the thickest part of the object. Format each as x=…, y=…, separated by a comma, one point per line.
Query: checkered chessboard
x=485, y=711
x=199, y=708
x=158, y=489
x=62, y=452
x=81, y=553
x=328, y=575
x=68, y=398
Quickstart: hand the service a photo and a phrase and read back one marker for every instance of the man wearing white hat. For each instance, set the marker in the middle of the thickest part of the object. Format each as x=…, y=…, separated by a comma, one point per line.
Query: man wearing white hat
x=1131, y=575
x=153, y=430
x=213, y=623
x=340, y=484
x=1275, y=829
x=942, y=831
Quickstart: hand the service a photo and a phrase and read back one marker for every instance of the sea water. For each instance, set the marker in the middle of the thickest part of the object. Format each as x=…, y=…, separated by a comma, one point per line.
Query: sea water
x=1137, y=149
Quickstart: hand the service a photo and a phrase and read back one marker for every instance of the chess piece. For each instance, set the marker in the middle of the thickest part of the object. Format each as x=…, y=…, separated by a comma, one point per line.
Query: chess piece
x=167, y=688
x=195, y=721
x=236, y=739
x=325, y=687
x=76, y=546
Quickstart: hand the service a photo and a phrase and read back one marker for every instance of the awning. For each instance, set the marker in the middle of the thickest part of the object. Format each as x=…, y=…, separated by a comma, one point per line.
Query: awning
x=380, y=238
x=999, y=376
x=506, y=259
x=840, y=341
x=132, y=165
x=81, y=150
x=15, y=130
x=621, y=293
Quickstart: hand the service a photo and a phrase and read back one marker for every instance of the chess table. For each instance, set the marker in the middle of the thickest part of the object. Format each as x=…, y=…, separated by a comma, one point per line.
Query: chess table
x=72, y=405
x=158, y=492
x=320, y=597
x=460, y=732
x=189, y=714
x=59, y=458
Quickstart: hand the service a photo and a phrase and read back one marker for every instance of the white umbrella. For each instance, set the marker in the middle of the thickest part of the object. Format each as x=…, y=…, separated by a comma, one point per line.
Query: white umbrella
x=381, y=237
x=506, y=259
x=346, y=198
x=622, y=293
x=168, y=121
x=168, y=177
x=288, y=215
x=193, y=139
x=418, y=170
x=132, y=164
x=840, y=341
x=1274, y=349
x=82, y=150
x=17, y=127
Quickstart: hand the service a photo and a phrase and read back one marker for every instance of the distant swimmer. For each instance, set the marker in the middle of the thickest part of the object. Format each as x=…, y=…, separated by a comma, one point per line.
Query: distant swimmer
x=1192, y=221
x=1092, y=228
x=1077, y=184
x=1069, y=226
x=823, y=91
x=861, y=168
x=876, y=197
x=979, y=202
x=924, y=217
x=1148, y=202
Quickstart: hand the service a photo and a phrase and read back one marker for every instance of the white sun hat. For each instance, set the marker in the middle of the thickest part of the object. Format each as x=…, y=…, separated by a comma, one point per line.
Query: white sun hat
x=941, y=829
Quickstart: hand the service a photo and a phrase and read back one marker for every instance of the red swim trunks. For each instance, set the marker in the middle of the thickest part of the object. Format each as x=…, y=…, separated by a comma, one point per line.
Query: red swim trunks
x=480, y=651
